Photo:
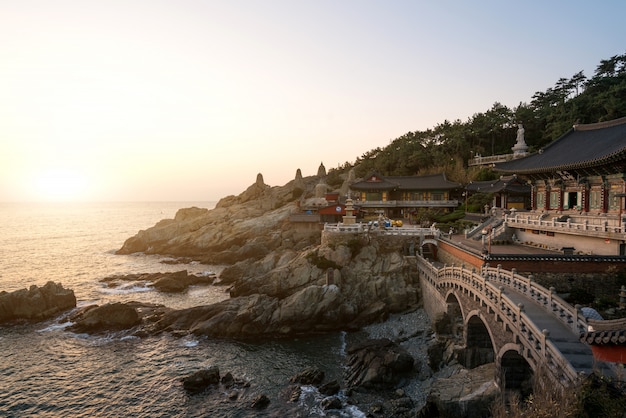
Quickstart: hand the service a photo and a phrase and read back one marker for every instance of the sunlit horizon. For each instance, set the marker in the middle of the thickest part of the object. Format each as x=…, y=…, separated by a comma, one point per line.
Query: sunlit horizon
x=190, y=100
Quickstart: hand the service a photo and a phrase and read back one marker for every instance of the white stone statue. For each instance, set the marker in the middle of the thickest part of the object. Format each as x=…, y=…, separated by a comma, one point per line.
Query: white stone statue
x=520, y=148
x=520, y=134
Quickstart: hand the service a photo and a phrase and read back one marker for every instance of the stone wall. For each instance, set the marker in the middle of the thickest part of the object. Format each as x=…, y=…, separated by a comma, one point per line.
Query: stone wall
x=434, y=303
x=449, y=254
x=386, y=243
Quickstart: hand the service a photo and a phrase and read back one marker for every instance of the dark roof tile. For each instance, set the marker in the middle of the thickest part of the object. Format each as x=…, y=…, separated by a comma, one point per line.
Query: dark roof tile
x=583, y=146
x=429, y=182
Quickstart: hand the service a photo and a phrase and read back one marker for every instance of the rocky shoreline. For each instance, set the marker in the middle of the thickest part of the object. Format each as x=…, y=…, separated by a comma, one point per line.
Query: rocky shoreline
x=35, y=303
x=284, y=282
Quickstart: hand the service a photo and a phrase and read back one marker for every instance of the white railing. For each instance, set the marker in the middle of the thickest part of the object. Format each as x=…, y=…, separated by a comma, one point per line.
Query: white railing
x=595, y=226
x=407, y=203
x=393, y=230
x=492, y=159
x=539, y=349
x=553, y=304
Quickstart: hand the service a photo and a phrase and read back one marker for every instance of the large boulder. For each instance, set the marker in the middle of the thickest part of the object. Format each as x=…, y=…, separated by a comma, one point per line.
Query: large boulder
x=109, y=317
x=314, y=308
x=244, y=317
x=308, y=376
x=378, y=364
x=174, y=282
x=36, y=303
x=202, y=379
x=469, y=393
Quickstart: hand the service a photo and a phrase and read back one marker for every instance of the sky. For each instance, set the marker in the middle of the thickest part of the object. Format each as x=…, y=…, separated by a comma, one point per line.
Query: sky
x=188, y=100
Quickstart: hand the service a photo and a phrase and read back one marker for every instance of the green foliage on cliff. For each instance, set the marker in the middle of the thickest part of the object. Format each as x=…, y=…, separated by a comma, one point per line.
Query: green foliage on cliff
x=448, y=146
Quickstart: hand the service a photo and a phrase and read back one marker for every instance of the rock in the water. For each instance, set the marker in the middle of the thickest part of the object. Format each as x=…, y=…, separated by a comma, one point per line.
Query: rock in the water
x=109, y=317
x=330, y=388
x=36, y=303
x=309, y=376
x=332, y=402
x=261, y=401
x=164, y=282
x=378, y=364
x=200, y=380
x=295, y=392
x=228, y=380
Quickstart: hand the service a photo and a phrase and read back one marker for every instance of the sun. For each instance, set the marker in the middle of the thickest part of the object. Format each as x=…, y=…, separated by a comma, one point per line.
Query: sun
x=61, y=184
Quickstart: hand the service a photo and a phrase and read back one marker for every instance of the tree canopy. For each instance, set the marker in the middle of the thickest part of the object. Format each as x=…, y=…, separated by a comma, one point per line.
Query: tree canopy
x=449, y=145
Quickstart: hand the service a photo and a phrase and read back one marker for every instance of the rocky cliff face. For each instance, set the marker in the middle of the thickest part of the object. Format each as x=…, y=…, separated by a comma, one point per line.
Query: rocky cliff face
x=283, y=281
x=248, y=226
x=317, y=290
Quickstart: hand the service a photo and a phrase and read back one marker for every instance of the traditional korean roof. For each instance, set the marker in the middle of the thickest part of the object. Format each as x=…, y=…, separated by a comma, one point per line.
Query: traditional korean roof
x=376, y=181
x=510, y=184
x=611, y=332
x=584, y=146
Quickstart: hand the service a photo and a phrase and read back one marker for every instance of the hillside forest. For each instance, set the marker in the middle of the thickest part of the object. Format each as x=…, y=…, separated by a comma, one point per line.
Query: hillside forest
x=448, y=146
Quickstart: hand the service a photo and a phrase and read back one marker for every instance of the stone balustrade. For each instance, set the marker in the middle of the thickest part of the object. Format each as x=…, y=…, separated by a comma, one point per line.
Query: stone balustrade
x=361, y=228
x=489, y=286
x=596, y=226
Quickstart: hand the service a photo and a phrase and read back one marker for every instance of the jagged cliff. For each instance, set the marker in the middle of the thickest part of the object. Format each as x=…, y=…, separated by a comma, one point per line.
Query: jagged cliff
x=283, y=280
x=248, y=226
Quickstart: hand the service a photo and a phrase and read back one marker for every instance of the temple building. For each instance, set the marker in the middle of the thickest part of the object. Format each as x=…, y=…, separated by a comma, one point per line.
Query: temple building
x=397, y=197
x=509, y=192
x=578, y=189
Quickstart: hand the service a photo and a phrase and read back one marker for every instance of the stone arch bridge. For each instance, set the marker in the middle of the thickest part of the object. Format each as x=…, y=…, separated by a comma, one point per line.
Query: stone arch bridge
x=510, y=320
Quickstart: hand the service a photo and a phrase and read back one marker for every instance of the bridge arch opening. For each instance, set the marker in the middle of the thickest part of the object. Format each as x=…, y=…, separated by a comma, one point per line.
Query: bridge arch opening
x=478, y=346
x=429, y=249
x=516, y=374
x=455, y=315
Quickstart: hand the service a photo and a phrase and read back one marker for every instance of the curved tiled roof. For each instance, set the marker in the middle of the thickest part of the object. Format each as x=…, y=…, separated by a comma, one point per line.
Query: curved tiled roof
x=508, y=183
x=582, y=147
x=615, y=337
x=429, y=182
x=605, y=332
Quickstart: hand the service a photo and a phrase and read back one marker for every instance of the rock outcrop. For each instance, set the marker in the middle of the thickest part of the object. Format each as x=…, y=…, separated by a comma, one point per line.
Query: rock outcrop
x=36, y=303
x=469, y=393
x=284, y=281
x=247, y=226
x=117, y=316
x=308, y=376
x=174, y=282
x=202, y=379
x=378, y=364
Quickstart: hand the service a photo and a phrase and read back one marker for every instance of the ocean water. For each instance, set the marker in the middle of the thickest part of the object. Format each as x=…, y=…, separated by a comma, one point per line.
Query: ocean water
x=47, y=371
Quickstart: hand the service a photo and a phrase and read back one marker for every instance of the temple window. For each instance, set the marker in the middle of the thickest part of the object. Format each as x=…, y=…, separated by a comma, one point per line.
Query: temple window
x=595, y=199
x=374, y=196
x=554, y=200
x=541, y=199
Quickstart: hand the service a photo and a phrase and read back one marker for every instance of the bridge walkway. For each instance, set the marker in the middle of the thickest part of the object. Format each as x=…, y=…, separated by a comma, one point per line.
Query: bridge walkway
x=566, y=341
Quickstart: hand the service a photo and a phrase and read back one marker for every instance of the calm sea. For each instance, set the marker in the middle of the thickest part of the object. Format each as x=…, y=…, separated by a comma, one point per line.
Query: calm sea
x=47, y=371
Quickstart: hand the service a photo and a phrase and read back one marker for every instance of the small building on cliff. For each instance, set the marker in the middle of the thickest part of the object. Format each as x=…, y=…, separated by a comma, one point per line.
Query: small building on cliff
x=399, y=197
